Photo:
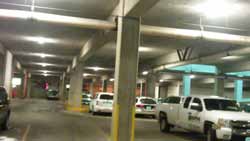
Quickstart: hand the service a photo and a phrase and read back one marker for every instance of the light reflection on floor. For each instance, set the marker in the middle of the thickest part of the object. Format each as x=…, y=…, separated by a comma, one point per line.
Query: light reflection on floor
x=7, y=139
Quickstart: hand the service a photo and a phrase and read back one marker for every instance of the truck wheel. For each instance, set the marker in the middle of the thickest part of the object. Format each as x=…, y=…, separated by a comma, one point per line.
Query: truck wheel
x=164, y=126
x=211, y=135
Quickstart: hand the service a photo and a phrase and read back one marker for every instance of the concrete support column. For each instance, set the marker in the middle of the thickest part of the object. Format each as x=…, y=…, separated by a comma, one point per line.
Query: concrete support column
x=29, y=85
x=123, y=118
x=92, y=86
x=174, y=89
x=25, y=83
x=238, y=90
x=62, y=86
x=219, y=87
x=8, y=72
x=76, y=84
x=150, y=85
x=141, y=88
x=186, y=85
x=104, y=84
x=157, y=91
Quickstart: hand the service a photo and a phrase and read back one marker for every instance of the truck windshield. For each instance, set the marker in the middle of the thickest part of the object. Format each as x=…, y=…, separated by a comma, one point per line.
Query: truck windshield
x=221, y=104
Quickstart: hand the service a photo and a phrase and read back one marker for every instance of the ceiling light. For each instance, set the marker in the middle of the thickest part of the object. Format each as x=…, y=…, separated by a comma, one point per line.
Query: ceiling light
x=145, y=49
x=96, y=68
x=145, y=73
x=86, y=74
x=68, y=86
x=41, y=40
x=43, y=64
x=161, y=80
x=45, y=72
x=42, y=55
x=45, y=75
x=192, y=76
x=111, y=79
x=231, y=57
x=217, y=8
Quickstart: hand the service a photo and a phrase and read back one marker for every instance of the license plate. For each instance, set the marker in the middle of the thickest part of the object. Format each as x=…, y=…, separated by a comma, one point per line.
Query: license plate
x=247, y=139
x=148, y=108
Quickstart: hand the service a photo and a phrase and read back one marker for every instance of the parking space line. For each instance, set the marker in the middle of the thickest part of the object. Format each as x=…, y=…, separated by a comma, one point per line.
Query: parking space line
x=25, y=135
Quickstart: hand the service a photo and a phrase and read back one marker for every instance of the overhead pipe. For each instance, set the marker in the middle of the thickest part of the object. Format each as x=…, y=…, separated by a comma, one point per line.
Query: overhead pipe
x=57, y=19
x=206, y=59
x=107, y=25
x=194, y=34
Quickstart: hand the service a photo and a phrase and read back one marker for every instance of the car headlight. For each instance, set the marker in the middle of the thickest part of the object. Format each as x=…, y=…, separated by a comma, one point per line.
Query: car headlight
x=224, y=123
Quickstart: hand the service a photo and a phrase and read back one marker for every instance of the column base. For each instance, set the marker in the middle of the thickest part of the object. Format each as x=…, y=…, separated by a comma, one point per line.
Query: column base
x=80, y=109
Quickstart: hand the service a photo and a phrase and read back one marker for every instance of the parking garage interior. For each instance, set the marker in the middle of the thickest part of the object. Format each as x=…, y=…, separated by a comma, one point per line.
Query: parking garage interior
x=131, y=48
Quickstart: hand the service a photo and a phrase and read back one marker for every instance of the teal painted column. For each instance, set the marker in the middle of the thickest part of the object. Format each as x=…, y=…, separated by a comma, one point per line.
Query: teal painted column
x=186, y=85
x=238, y=90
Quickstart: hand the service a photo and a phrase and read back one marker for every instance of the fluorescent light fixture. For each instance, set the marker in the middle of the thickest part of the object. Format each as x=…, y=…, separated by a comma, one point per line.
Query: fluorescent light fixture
x=192, y=76
x=145, y=49
x=42, y=55
x=44, y=65
x=162, y=80
x=68, y=86
x=86, y=74
x=111, y=79
x=41, y=40
x=45, y=74
x=145, y=73
x=217, y=8
x=96, y=68
x=231, y=57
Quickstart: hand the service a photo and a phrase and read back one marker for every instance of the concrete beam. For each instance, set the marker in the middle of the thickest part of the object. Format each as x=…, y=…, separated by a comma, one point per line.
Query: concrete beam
x=95, y=43
x=239, y=66
x=124, y=8
x=137, y=8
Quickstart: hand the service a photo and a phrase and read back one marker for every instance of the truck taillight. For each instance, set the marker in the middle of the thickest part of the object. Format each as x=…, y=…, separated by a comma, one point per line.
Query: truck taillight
x=140, y=106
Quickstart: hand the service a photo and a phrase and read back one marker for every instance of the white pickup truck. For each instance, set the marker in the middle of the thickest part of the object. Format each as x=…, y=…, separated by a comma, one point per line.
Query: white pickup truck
x=216, y=117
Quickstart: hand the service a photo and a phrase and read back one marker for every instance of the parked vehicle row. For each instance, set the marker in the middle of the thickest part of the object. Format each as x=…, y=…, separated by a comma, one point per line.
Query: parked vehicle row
x=103, y=103
x=216, y=117
x=52, y=94
x=86, y=99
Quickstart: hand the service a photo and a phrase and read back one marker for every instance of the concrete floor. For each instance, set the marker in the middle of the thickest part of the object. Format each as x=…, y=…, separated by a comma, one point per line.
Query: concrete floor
x=42, y=120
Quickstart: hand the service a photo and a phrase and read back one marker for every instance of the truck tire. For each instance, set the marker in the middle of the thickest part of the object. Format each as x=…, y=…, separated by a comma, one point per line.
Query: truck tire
x=164, y=126
x=211, y=134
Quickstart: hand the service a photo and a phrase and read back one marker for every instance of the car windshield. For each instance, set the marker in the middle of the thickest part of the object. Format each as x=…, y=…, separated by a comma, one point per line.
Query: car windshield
x=148, y=101
x=106, y=97
x=53, y=92
x=221, y=104
x=86, y=96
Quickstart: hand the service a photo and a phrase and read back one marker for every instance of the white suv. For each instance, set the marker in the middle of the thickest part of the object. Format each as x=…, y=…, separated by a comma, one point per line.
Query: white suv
x=145, y=106
x=102, y=103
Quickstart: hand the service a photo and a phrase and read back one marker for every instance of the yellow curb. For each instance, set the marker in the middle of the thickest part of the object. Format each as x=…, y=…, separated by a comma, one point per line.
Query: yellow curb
x=82, y=109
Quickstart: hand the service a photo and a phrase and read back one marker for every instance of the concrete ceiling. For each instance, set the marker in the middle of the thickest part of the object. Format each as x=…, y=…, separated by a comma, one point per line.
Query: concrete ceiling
x=67, y=41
